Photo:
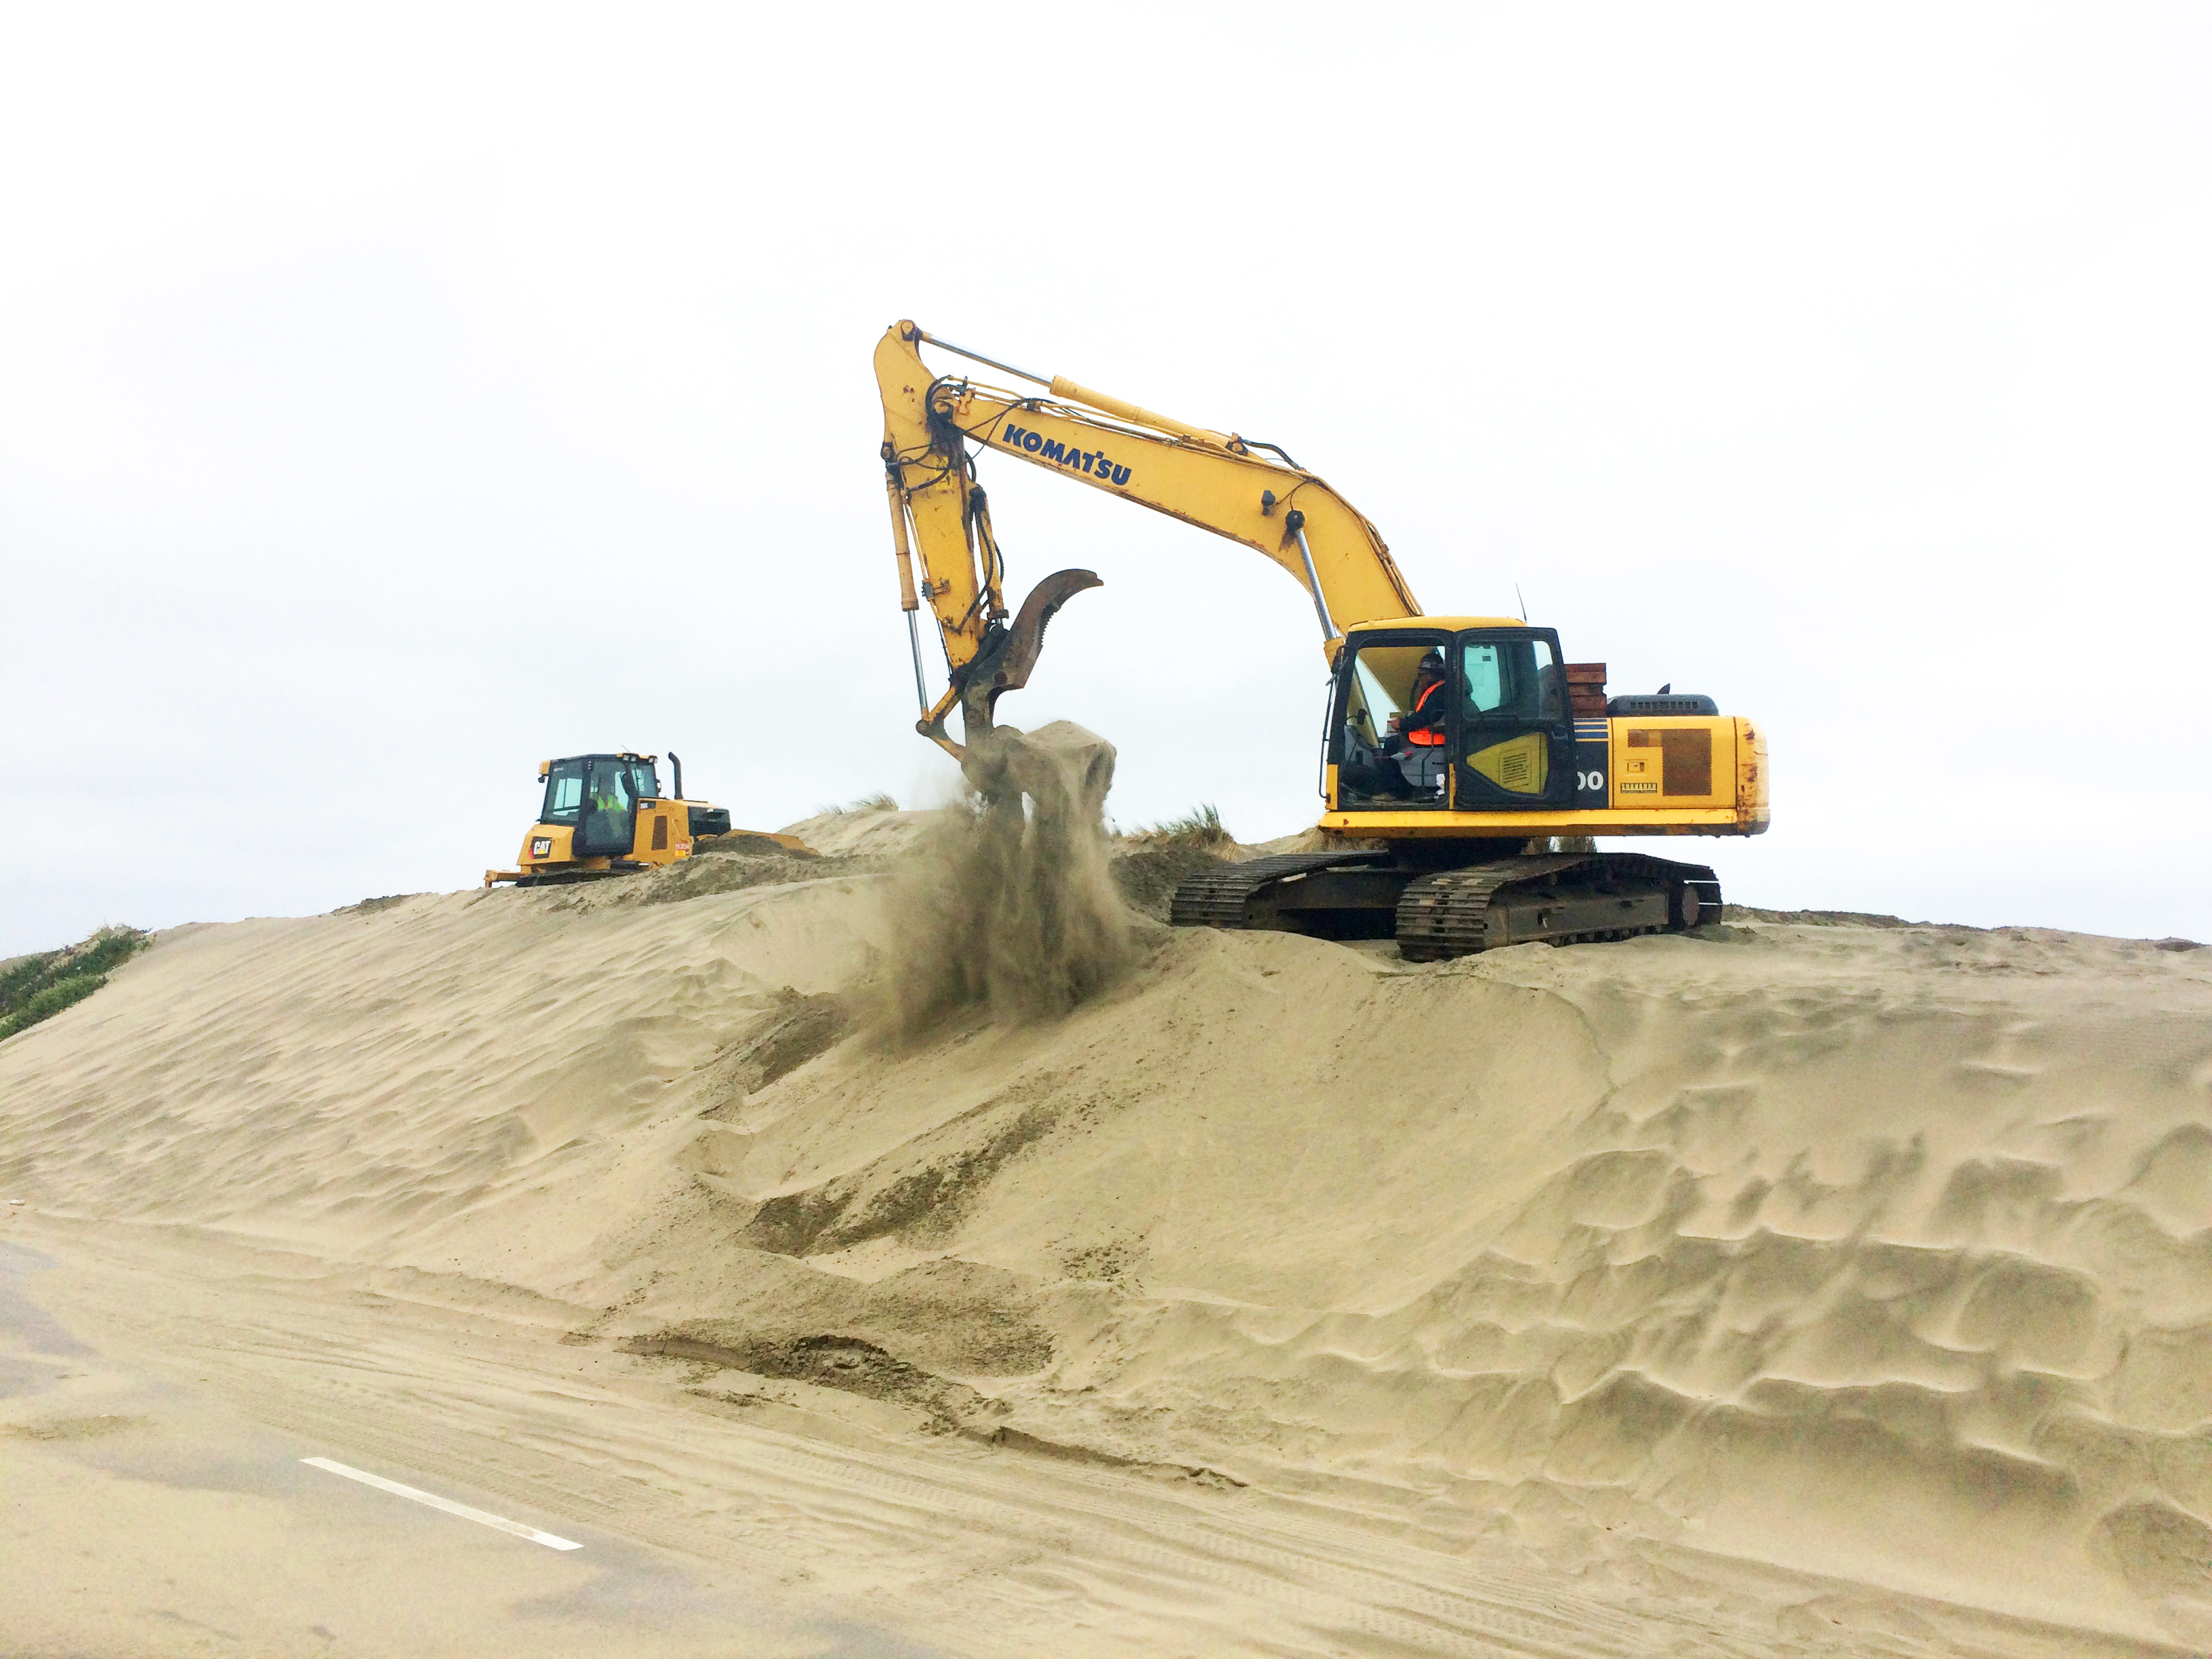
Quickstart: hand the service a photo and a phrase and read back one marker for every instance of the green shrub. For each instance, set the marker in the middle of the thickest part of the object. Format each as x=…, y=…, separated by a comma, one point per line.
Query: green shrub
x=39, y=986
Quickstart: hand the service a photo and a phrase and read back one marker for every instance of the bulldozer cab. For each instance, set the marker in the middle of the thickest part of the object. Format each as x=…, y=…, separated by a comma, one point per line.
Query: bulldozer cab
x=598, y=795
x=1471, y=720
x=604, y=815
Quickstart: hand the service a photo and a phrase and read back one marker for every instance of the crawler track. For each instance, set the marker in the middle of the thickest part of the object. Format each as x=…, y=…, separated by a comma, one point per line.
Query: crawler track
x=1561, y=898
x=1222, y=898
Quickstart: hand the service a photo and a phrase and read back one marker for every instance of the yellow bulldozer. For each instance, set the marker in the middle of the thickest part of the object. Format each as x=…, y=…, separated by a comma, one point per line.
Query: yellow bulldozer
x=604, y=815
x=1457, y=745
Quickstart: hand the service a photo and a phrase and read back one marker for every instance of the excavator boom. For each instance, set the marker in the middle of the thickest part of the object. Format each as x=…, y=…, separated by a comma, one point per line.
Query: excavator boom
x=1216, y=481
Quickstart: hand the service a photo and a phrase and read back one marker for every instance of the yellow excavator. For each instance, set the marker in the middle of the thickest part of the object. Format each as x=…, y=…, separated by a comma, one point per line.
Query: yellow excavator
x=604, y=815
x=1457, y=745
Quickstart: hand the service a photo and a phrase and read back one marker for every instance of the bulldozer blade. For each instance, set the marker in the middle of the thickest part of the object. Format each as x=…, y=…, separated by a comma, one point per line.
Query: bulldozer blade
x=1005, y=663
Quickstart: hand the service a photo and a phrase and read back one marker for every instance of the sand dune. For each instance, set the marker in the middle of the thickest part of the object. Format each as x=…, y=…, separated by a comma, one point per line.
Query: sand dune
x=1878, y=1252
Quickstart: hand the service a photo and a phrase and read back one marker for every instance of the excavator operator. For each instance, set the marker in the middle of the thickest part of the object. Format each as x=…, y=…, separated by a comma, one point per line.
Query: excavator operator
x=1416, y=740
x=1408, y=763
x=1423, y=723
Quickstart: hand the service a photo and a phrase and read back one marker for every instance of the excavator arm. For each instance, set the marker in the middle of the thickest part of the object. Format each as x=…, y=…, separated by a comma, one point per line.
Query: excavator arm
x=934, y=426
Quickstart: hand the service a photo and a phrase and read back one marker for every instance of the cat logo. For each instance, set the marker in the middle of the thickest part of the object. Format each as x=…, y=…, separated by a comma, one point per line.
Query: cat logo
x=541, y=846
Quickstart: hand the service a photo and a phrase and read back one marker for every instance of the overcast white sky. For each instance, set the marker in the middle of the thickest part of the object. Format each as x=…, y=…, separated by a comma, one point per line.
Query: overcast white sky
x=391, y=399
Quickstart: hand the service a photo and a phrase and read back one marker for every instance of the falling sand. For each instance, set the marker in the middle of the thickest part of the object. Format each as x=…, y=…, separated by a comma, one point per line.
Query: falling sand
x=1806, y=1286
x=1008, y=900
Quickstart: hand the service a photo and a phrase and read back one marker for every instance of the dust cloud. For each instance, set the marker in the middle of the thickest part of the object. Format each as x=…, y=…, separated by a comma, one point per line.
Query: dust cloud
x=1009, y=902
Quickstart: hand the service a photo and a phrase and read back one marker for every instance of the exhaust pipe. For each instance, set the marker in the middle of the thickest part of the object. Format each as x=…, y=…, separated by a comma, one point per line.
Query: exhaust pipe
x=677, y=761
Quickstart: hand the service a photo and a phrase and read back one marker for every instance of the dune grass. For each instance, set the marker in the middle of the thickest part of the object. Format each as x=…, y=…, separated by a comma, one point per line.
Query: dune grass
x=36, y=987
x=1200, y=827
x=878, y=802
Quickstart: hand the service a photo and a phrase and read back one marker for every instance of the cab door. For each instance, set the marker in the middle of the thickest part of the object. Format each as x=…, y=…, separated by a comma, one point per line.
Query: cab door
x=1376, y=765
x=608, y=826
x=1514, y=741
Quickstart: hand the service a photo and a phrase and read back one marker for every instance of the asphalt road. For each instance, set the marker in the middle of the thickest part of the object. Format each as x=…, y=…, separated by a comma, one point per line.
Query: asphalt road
x=140, y=1515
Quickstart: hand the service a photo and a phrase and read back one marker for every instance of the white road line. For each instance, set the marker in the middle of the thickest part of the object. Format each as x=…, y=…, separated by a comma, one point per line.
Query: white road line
x=446, y=1505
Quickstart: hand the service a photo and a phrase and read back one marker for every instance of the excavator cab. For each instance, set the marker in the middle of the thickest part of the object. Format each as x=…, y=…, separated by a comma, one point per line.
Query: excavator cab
x=1471, y=720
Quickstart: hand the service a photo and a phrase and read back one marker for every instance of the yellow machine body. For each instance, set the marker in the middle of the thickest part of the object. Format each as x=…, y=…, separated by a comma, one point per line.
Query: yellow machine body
x=1719, y=791
x=1652, y=775
x=629, y=824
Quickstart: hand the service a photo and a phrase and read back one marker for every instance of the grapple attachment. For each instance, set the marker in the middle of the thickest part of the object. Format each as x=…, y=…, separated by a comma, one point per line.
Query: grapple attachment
x=1009, y=654
x=1003, y=661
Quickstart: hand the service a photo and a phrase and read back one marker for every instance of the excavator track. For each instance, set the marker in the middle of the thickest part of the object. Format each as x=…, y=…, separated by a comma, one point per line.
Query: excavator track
x=1561, y=898
x=1223, y=897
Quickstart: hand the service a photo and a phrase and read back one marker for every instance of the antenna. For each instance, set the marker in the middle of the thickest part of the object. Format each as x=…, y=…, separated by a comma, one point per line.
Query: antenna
x=1521, y=601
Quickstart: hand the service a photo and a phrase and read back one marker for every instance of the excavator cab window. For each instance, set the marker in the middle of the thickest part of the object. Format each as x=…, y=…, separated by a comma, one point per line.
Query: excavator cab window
x=1390, y=737
x=564, y=793
x=1515, y=735
x=1513, y=678
x=644, y=781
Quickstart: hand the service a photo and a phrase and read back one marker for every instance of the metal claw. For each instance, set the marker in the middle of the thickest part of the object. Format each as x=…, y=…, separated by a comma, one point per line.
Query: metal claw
x=1010, y=653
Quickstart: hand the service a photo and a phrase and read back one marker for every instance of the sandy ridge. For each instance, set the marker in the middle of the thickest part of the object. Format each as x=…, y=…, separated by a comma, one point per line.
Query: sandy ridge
x=1881, y=1252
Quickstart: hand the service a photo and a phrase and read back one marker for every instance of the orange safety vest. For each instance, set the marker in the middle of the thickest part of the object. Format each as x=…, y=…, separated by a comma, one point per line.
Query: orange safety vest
x=1426, y=740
